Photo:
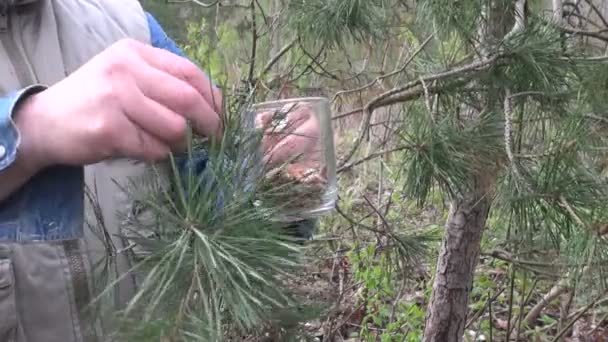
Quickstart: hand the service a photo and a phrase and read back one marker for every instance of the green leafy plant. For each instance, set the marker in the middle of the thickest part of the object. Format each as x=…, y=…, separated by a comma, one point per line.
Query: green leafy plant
x=390, y=317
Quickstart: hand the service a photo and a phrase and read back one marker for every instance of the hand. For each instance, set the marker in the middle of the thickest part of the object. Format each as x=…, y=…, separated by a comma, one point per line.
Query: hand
x=295, y=135
x=131, y=100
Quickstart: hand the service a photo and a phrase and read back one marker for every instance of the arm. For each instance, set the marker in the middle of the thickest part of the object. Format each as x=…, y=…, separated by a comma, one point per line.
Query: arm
x=18, y=164
x=15, y=168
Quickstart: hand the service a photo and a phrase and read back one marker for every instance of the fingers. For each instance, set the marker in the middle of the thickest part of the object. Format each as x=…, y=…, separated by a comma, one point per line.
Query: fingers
x=278, y=125
x=183, y=69
x=302, y=141
x=138, y=144
x=179, y=97
x=151, y=116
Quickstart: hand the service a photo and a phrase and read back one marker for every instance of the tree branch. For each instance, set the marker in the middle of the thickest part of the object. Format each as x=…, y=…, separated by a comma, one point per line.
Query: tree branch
x=460, y=71
x=555, y=292
x=277, y=57
x=395, y=72
x=254, y=44
x=596, y=10
x=372, y=156
x=400, y=94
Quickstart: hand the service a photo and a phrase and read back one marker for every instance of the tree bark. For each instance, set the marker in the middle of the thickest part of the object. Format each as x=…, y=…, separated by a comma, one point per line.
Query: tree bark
x=447, y=311
x=459, y=254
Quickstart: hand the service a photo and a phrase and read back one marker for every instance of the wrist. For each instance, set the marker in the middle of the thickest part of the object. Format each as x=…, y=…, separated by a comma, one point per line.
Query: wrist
x=10, y=133
x=31, y=155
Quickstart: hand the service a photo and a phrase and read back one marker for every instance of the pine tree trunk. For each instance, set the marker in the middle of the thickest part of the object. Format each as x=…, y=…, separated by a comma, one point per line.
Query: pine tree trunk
x=447, y=310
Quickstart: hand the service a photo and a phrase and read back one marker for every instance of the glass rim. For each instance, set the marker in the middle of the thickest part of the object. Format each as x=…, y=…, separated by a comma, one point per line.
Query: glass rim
x=291, y=100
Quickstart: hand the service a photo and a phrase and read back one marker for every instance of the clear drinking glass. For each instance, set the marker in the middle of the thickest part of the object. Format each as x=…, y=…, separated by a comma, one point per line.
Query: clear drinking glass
x=299, y=159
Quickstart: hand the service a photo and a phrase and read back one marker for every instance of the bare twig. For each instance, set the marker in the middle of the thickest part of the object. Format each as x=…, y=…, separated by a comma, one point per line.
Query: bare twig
x=522, y=305
x=277, y=57
x=597, y=117
x=349, y=113
x=488, y=304
x=553, y=293
x=596, y=10
x=314, y=60
x=593, y=34
x=578, y=316
x=511, y=291
x=254, y=43
x=395, y=72
x=372, y=156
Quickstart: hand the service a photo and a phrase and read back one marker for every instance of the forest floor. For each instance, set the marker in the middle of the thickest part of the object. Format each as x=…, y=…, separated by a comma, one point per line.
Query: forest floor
x=372, y=294
x=355, y=315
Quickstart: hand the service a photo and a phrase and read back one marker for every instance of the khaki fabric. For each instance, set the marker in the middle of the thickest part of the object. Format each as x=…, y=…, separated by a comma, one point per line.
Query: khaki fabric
x=41, y=297
x=45, y=286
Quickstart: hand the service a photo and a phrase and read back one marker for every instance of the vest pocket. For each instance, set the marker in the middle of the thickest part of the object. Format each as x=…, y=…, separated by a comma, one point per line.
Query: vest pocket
x=8, y=308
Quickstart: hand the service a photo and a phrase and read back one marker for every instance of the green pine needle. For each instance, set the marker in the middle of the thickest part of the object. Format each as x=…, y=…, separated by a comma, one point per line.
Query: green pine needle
x=210, y=261
x=333, y=21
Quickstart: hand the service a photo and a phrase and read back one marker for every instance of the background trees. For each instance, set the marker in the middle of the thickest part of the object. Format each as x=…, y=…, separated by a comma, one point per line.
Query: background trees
x=471, y=138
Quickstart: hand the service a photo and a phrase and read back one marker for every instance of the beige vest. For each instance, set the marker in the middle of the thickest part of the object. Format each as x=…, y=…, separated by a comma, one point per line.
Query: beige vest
x=45, y=40
x=42, y=42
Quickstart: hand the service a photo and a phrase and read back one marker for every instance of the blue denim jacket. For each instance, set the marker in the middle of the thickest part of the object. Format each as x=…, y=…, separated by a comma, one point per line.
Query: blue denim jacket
x=50, y=206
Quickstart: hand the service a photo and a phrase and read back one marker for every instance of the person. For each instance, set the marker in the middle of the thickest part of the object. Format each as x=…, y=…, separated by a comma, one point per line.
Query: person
x=90, y=91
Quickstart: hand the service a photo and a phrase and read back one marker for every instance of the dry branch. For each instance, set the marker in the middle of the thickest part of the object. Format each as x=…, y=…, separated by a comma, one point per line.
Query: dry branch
x=393, y=73
x=553, y=293
x=277, y=57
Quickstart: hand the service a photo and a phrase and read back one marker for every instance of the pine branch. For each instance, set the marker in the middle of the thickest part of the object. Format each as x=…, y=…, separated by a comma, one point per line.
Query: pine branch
x=385, y=76
x=401, y=94
x=208, y=257
x=254, y=44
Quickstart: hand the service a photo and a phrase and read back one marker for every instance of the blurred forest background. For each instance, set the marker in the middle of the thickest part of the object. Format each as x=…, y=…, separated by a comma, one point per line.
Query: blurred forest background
x=472, y=140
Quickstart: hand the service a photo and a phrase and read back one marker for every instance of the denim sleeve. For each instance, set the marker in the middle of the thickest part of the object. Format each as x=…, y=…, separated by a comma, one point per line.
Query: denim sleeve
x=9, y=134
x=159, y=37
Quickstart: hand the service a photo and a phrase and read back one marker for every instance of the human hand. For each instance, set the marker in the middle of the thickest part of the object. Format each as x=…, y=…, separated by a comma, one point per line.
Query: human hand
x=131, y=100
x=293, y=133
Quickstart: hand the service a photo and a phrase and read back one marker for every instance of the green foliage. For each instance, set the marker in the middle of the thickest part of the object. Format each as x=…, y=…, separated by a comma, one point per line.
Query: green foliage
x=210, y=53
x=332, y=21
x=547, y=204
x=594, y=82
x=209, y=260
x=444, y=154
x=448, y=16
x=169, y=16
x=386, y=320
x=537, y=61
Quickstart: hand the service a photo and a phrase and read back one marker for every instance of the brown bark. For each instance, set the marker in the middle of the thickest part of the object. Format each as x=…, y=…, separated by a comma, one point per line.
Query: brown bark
x=448, y=307
x=447, y=310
